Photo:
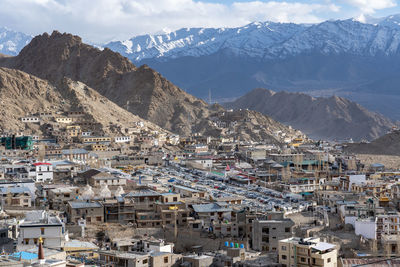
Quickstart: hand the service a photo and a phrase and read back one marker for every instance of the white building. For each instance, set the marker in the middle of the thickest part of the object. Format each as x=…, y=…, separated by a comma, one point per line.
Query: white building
x=366, y=228
x=158, y=246
x=122, y=139
x=41, y=224
x=30, y=119
x=41, y=172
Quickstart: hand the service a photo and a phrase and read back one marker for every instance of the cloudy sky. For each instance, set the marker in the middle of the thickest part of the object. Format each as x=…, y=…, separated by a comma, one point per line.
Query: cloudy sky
x=104, y=20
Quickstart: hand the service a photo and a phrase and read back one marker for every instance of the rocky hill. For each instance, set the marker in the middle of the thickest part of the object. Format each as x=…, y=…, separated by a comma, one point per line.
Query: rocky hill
x=320, y=118
x=140, y=90
x=388, y=144
x=23, y=94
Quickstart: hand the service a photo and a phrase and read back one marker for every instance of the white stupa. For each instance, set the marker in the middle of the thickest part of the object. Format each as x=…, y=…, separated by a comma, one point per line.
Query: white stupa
x=119, y=191
x=104, y=191
x=87, y=193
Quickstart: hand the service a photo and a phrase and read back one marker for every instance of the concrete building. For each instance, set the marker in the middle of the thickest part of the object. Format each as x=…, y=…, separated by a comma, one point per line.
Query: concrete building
x=267, y=233
x=41, y=224
x=59, y=197
x=41, y=172
x=92, y=212
x=16, y=196
x=310, y=251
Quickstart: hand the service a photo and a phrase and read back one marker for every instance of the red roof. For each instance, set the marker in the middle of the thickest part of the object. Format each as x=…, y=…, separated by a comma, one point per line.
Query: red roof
x=41, y=163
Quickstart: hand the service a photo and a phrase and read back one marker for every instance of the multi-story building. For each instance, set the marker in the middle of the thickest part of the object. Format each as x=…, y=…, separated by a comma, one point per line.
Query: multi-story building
x=41, y=172
x=16, y=196
x=41, y=224
x=92, y=212
x=302, y=252
x=267, y=233
x=375, y=227
x=59, y=197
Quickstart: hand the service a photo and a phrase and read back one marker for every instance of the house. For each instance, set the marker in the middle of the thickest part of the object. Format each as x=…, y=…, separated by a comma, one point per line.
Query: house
x=59, y=197
x=212, y=212
x=185, y=191
x=122, y=139
x=30, y=119
x=41, y=172
x=64, y=120
x=78, y=249
x=16, y=196
x=131, y=259
x=267, y=233
x=310, y=251
x=92, y=212
x=75, y=154
x=41, y=224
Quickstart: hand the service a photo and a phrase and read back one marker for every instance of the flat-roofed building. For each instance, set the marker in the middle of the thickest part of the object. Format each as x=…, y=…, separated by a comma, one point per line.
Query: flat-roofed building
x=302, y=252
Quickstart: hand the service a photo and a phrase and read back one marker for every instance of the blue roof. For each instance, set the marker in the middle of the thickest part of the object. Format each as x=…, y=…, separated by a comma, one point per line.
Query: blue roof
x=84, y=205
x=24, y=255
x=14, y=190
x=211, y=207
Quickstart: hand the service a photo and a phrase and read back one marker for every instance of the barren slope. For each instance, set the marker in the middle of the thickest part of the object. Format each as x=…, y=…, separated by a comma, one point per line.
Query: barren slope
x=22, y=94
x=326, y=118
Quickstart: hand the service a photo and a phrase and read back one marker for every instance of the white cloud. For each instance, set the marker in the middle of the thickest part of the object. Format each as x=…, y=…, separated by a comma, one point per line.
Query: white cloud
x=102, y=20
x=370, y=6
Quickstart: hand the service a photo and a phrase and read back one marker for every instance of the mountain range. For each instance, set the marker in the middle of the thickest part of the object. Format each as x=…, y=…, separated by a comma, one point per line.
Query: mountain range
x=139, y=90
x=327, y=118
x=347, y=58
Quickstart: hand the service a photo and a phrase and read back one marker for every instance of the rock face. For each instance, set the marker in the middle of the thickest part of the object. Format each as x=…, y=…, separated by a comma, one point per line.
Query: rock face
x=22, y=94
x=388, y=144
x=321, y=118
x=139, y=90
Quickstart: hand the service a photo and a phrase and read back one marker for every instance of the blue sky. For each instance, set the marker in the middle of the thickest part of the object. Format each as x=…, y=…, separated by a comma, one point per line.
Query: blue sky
x=105, y=20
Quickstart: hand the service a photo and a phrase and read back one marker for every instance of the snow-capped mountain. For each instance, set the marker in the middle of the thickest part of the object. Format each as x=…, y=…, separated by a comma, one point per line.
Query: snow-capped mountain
x=269, y=40
x=11, y=42
x=356, y=58
x=250, y=40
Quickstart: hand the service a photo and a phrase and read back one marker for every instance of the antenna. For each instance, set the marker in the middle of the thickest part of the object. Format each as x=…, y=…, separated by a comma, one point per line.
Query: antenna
x=209, y=96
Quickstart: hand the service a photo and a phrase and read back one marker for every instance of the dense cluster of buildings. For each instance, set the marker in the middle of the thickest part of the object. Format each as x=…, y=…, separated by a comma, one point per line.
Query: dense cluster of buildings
x=75, y=198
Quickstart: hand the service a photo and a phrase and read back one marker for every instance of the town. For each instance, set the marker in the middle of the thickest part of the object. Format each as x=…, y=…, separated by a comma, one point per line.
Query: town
x=71, y=195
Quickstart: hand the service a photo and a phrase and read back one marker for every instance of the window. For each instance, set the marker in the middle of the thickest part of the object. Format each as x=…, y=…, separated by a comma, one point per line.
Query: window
x=303, y=259
x=283, y=248
x=144, y=261
x=329, y=260
x=42, y=231
x=165, y=259
x=175, y=199
x=265, y=230
x=287, y=229
x=284, y=257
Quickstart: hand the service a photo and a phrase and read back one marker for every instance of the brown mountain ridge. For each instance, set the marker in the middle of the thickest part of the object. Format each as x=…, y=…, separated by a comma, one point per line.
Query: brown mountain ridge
x=140, y=90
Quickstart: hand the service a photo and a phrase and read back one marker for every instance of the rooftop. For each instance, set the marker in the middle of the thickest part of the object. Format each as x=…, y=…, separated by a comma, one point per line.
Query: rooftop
x=84, y=204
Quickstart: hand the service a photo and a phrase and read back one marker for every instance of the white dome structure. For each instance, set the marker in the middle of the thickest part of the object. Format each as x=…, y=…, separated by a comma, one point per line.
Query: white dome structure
x=104, y=191
x=119, y=191
x=87, y=193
